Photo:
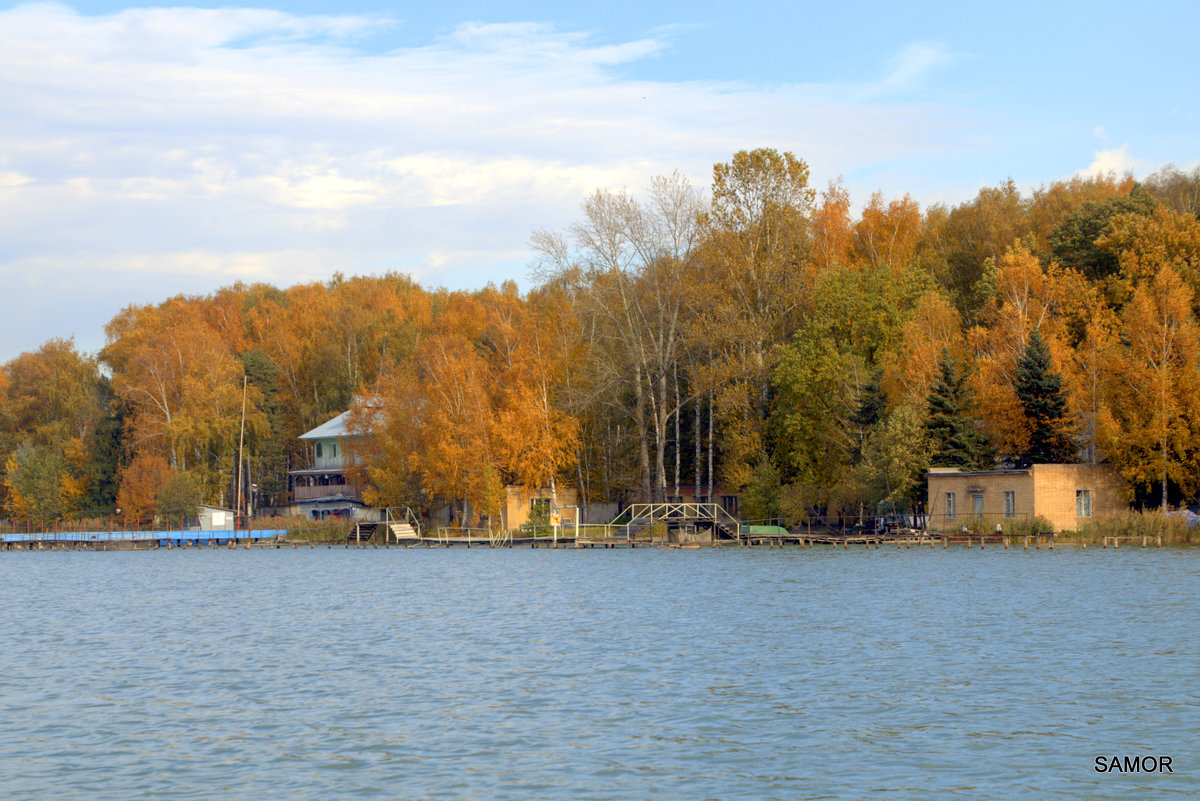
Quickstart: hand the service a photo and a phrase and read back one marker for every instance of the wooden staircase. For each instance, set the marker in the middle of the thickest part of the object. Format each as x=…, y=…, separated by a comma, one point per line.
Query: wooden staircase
x=362, y=532
x=398, y=532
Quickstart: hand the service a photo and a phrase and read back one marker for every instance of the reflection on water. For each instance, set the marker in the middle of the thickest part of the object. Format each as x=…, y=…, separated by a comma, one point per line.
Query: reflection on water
x=537, y=674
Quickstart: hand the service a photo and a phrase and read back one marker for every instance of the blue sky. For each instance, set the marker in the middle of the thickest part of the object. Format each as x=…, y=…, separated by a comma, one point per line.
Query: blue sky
x=147, y=151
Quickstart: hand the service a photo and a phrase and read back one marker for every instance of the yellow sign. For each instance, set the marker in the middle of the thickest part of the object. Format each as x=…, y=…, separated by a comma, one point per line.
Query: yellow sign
x=556, y=519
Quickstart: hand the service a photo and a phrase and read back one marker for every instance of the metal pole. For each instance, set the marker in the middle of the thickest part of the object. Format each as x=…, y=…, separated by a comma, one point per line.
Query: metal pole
x=241, y=441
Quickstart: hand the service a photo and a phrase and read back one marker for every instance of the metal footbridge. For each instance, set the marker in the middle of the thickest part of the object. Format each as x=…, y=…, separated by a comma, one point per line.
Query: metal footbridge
x=688, y=517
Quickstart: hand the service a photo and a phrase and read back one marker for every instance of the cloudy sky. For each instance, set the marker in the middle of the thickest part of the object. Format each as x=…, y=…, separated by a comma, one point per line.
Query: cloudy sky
x=154, y=150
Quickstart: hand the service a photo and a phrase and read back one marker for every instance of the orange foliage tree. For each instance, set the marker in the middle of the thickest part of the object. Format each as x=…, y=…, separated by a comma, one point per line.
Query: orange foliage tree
x=182, y=389
x=886, y=235
x=1025, y=297
x=1151, y=431
x=140, y=482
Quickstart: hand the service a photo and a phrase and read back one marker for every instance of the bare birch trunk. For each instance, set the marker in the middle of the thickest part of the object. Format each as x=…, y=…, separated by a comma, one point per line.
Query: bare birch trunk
x=696, y=443
x=640, y=419
x=710, y=445
x=677, y=443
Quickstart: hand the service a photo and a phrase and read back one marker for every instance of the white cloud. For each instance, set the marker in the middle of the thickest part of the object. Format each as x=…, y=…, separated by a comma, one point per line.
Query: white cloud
x=910, y=68
x=162, y=269
x=260, y=145
x=1115, y=161
x=11, y=180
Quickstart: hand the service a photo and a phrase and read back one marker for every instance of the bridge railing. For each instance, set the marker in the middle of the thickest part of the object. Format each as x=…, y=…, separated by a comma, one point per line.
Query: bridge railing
x=667, y=512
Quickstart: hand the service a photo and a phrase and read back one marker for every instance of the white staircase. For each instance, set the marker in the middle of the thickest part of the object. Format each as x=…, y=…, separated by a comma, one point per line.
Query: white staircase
x=399, y=532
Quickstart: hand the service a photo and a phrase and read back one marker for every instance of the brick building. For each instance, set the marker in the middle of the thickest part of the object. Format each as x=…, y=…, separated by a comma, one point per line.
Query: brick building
x=1064, y=494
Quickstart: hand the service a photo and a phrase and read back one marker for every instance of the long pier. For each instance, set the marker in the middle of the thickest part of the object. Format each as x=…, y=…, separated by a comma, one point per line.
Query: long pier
x=182, y=538
x=756, y=536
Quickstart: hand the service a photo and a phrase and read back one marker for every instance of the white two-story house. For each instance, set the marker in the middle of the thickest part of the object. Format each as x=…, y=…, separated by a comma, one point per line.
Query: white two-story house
x=324, y=490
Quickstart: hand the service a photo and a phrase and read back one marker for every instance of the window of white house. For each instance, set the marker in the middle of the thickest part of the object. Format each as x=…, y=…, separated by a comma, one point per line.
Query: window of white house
x=950, y=513
x=1083, y=503
x=318, y=450
x=1010, y=503
x=977, y=503
x=333, y=450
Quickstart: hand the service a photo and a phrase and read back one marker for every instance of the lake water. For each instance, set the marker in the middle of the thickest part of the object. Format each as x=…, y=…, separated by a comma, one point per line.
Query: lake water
x=598, y=674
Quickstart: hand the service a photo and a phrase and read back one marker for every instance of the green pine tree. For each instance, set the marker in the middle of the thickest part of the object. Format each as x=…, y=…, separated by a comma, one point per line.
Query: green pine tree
x=872, y=405
x=1040, y=389
x=955, y=438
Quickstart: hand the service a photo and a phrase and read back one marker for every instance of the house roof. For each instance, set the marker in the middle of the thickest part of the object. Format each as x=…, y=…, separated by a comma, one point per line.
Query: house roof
x=954, y=472
x=334, y=428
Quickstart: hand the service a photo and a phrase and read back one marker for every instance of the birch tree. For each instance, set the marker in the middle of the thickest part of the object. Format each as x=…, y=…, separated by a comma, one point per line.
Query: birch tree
x=1150, y=430
x=626, y=267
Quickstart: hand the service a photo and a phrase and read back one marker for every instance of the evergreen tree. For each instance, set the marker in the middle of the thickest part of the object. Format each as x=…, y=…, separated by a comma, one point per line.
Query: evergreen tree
x=104, y=454
x=955, y=437
x=267, y=455
x=871, y=407
x=1040, y=389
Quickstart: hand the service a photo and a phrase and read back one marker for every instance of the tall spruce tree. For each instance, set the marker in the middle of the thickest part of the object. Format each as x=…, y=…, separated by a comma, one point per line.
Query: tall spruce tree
x=869, y=413
x=955, y=437
x=1040, y=389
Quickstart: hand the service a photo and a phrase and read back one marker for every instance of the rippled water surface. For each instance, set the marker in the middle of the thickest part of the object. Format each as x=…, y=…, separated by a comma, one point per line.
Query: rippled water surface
x=596, y=674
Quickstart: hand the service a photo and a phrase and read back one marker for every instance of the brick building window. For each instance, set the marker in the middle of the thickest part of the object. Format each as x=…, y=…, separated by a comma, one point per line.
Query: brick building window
x=1010, y=503
x=1083, y=503
x=950, y=513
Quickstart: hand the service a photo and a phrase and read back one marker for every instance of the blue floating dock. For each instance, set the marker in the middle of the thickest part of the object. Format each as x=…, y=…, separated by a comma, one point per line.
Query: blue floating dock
x=163, y=538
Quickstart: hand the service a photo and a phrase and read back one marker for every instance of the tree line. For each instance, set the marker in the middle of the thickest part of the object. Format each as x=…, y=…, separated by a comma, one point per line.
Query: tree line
x=757, y=337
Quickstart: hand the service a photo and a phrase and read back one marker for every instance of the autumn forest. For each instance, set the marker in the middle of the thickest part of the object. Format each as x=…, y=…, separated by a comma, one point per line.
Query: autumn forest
x=758, y=335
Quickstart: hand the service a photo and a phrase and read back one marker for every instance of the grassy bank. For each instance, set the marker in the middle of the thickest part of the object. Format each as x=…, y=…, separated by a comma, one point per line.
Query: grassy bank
x=1172, y=528
x=300, y=529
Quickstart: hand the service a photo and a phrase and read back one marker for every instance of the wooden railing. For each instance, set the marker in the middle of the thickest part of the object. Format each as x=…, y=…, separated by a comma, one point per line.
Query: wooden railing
x=324, y=490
